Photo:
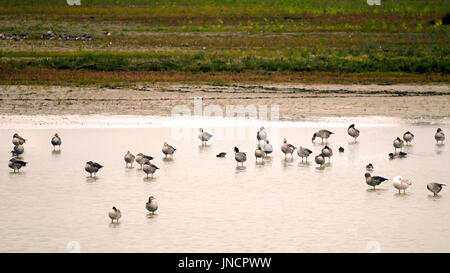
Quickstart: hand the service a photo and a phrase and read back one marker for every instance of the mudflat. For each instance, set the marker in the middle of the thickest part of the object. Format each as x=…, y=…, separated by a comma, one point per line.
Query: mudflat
x=296, y=101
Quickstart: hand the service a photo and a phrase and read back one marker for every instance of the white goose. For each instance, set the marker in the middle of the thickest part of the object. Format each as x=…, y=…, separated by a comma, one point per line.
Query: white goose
x=401, y=183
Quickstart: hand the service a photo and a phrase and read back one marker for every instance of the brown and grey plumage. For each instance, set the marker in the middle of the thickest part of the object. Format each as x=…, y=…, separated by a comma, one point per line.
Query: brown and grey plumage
x=92, y=167
x=439, y=136
x=151, y=205
x=149, y=168
x=114, y=214
x=168, y=149
x=259, y=153
x=18, y=140
x=398, y=144
x=408, y=137
x=240, y=157
x=287, y=148
x=141, y=158
x=319, y=159
x=204, y=136
x=323, y=134
x=18, y=150
x=16, y=164
x=374, y=180
x=353, y=132
x=129, y=159
x=435, y=188
x=56, y=141
x=304, y=153
x=327, y=152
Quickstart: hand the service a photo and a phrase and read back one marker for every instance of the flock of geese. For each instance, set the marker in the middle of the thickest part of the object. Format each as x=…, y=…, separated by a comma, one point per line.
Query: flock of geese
x=263, y=150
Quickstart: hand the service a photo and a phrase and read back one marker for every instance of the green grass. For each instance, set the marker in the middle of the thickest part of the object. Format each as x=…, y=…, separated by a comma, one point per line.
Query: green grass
x=235, y=36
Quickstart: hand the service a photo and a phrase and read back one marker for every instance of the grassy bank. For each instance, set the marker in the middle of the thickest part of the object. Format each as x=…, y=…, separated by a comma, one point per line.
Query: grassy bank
x=186, y=38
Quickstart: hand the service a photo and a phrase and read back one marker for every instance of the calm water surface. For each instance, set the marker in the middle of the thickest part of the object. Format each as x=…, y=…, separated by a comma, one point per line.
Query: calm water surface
x=207, y=204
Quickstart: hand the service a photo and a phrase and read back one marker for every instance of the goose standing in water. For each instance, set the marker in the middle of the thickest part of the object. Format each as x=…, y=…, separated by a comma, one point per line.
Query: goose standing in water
x=221, y=154
x=369, y=167
x=151, y=205
x=323, y=134
x=320, y=160
x=16, y=164
x=435, y=188
x=408, y=137
x=141, y=158
x=129, y=159
x=374, y=180
x=168, y=150
x=259, y=153
x=267, y=147
x=204, y=136
x=353, y=132
x=240, y=157
x=114, y=214
x=56, y=141
x=261, y=135
x=92, y=167
x=327, y=152
x=149, y=168
x=304, y=153
x=287, y=148
x=18, y=150
x=18, y=140
x=401, y=183
x=439, y=136
x=398, y=144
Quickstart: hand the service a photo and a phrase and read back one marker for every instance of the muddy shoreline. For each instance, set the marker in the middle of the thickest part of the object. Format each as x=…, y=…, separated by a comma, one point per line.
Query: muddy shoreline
x=296, y=102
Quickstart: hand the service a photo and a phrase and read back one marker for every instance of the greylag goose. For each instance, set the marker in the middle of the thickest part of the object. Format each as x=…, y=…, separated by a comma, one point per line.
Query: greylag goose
x=435, y=188
x=374, y=180
x=129, y=159
x=240, y=157
x=408, y=137
x=141, y=158
x=320, y=160
x=18, y=140
x=114, y=214
x=168, y=149
x=304, y=153
x=327, y=152
x=149, y=168
x=287, y=148
x=323, y=134
x=353, y=132
x=439, y=136
x=259, y=153
x=16, y=164
x=267, y=147
x=151, y=205
x=398, y=144
x=204, y=136
x=56, y=141
x=92, y=167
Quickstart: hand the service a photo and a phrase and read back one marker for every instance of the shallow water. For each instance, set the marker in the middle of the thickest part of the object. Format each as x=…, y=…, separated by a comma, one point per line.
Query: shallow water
x=207, y=204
